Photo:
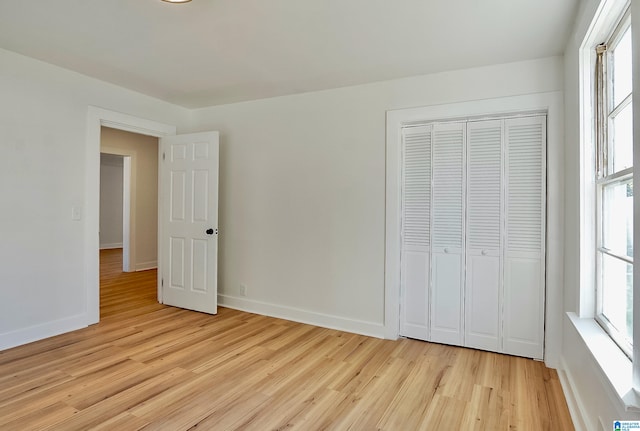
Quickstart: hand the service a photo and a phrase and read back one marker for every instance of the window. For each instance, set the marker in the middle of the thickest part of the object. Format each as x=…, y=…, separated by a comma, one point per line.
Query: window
x=614, y=180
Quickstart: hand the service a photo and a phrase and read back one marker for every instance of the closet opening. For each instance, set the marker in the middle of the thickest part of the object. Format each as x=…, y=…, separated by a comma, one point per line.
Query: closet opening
x=483, y=210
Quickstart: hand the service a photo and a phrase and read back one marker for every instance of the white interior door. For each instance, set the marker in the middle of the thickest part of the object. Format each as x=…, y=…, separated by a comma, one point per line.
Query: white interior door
x=189, y=221
x=483, y=293
x=525, y=230
x=416, y=216
x=447, y=239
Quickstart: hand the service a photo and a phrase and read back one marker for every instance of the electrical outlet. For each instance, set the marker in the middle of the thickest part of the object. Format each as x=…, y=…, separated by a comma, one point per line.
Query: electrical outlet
x=76, y=213
x=243, y=290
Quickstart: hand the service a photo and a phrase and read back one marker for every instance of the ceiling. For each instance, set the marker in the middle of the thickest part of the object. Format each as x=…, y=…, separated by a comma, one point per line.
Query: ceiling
x=210, y=52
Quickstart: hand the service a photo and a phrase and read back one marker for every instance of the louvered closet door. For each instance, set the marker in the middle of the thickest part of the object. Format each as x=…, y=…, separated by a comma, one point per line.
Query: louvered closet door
x=416, y=216
x=447, y=238
x=525, y=229
x=483, y=310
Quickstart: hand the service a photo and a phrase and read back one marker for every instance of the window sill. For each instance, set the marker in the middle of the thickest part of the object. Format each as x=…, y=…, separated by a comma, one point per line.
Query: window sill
x=616, y=367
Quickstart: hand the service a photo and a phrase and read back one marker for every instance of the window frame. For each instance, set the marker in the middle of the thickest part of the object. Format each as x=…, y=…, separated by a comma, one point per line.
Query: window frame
x=603, y=165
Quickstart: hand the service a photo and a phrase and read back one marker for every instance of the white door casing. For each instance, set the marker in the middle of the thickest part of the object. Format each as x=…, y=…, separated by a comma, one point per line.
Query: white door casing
x=189, y=220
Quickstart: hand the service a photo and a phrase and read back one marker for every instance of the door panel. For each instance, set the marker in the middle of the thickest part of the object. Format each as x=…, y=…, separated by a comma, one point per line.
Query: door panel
x=448, y=207
x=483, y=290
x=189, y=207
x=177, y=196
x=525, y=230
x=415, y=299
x=523, y=331
x=200, y=258
x=446, y=298
x=176, y=267
x=482, y=322
x=416, y=213
x=200, y=189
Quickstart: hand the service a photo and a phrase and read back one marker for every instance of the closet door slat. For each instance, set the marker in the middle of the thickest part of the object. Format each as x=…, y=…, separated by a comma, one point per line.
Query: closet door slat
x=416, y=183
x=484, y=191
x=448, y=178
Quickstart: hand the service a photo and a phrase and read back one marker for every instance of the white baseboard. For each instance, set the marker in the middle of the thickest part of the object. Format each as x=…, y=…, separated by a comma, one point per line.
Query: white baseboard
x=41, y=331
x=110, y=246
x=302, y=316
x=143, y=266
x=576, y=407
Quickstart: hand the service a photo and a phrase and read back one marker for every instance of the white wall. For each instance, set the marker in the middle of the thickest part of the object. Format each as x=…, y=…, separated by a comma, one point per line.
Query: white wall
x=590, y=396
x=43, y=121
x=111, y=176
x=302, y=189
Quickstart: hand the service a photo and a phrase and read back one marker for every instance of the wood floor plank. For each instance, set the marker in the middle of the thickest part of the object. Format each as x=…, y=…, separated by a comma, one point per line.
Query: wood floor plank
x=445, y=413
x=101, y=412
x=147, y=366
x=184, y=407
x=487, y=410
x=409, y=407
x=242, y=406
x=25, y=402
x=29, y=381
x=123, y=421
x=41, y=418
x=374, y=397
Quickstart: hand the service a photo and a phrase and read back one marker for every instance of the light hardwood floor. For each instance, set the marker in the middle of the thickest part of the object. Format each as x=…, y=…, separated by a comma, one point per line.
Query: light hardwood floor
x=147, y=366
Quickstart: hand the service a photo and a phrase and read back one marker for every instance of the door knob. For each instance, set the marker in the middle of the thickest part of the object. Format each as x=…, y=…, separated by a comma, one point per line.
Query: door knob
x=209, y=231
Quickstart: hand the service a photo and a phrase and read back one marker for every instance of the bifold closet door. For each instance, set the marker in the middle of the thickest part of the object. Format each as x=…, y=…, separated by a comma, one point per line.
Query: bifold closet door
x=525, y=160
x=483, y=287
x=447, y=233
x=473, y=231
x=416, y=220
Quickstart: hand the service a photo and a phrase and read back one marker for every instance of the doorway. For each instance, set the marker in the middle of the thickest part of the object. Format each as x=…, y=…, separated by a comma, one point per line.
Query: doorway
x=139, y=155
x=96, y=118
x=115, y=205
x=129, y=197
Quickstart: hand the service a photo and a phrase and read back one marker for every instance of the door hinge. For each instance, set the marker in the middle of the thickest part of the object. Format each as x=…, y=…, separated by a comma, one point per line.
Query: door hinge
x=162, y=282
x=163, y=155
